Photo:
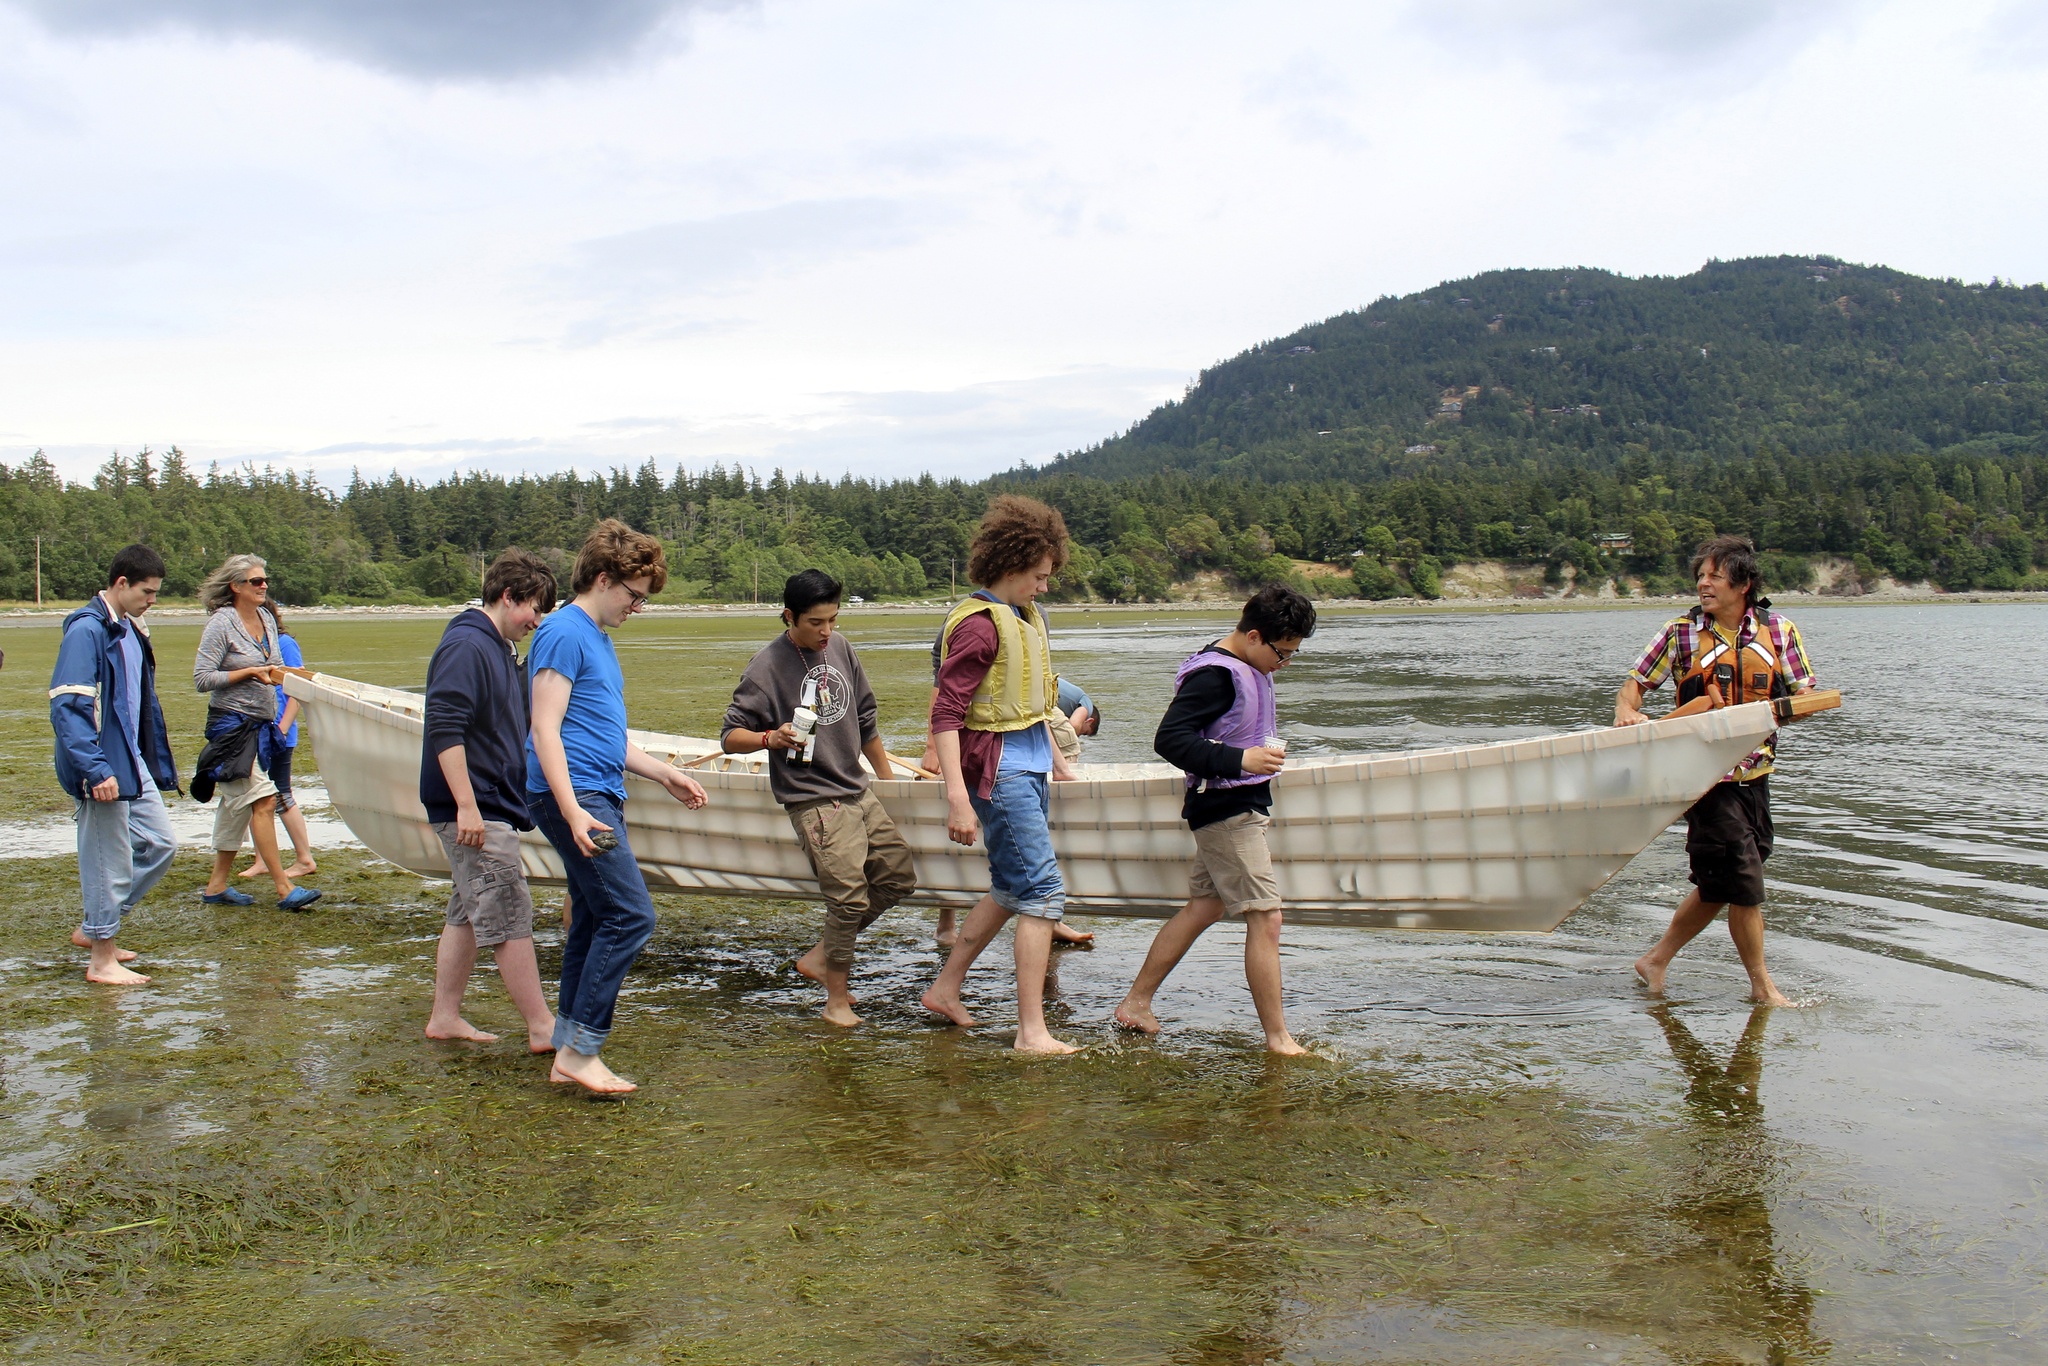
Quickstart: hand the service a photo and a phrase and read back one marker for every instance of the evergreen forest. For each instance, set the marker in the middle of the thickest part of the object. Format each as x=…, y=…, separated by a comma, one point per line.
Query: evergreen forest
x=1590, y=422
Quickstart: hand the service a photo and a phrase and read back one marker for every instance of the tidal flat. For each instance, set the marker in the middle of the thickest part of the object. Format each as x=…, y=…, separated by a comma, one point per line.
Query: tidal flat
x=1498, y=1151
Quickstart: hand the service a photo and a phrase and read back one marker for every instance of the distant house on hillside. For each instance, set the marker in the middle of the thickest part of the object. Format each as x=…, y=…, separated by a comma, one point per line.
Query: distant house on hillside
x=1424, y=449
x=1616, y=542
x=1301, y=351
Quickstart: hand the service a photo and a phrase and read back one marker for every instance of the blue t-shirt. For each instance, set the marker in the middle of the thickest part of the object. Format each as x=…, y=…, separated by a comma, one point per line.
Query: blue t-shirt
x=594, y=727
x=1072, y=696
x=288, y=649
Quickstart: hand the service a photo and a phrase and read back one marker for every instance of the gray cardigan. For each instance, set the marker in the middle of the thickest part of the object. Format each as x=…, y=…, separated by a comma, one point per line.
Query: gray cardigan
x=224, y=647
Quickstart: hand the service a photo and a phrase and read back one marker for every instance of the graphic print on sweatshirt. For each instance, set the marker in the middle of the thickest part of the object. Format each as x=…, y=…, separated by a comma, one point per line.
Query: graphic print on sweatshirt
x=834, y=693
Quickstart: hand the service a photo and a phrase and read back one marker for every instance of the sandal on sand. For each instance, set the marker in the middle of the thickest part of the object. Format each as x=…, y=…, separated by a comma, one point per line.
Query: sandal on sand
x=299, y=899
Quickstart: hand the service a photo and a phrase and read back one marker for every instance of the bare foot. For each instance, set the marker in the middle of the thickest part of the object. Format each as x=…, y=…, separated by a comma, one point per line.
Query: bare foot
x=257, y=869
x=1767, y=994
x=589, y=1072
x=947, y=1007
x=1651, y=975
x=841, y=1015
x=114, y=975
x=1137, y=1017
x=541, y=1040
x=79, y=940
x=1063, y=933
x=812, y=965
x=1040, y=1041
x=946, y=939
x=459, y=1029
x=305, y=867
x=1284, y=1046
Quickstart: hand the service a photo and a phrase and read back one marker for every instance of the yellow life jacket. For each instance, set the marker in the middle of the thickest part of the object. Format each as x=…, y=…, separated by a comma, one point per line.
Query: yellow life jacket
x=1020, y=689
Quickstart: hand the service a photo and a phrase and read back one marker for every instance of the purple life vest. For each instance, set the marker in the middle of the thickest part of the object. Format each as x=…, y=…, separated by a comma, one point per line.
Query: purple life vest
x=1250, y=718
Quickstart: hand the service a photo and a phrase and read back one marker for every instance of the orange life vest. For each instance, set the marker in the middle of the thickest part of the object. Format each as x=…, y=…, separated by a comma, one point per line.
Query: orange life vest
x=1722, y=676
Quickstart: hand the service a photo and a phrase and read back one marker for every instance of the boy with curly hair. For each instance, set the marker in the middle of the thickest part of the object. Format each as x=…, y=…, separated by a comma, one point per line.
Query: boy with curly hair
x=996, y=693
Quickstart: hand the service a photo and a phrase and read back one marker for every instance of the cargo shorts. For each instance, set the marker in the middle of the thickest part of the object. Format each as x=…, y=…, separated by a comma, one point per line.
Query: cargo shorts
x=1234, y=865
x=490, y=895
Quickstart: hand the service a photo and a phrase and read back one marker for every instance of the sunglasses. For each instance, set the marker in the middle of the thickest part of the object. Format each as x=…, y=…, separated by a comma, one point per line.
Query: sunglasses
x=258, y=581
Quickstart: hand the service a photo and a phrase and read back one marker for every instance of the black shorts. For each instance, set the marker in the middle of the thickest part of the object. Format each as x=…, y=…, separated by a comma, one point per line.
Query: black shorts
x=1727, y=838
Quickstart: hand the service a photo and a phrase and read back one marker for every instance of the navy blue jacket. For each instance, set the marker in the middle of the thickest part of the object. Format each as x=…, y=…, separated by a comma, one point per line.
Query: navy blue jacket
x=86, y=697
x=476, y=698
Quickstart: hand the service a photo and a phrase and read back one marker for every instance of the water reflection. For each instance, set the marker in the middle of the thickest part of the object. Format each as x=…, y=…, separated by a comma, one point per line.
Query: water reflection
x=1725, y=1197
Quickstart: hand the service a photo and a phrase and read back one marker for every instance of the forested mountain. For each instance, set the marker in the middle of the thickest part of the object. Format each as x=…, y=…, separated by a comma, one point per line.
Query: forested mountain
x=1803, y=356
x=1575, y=418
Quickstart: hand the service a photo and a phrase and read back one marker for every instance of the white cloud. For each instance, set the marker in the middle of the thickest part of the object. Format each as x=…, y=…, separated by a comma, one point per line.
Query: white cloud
x=898, y=236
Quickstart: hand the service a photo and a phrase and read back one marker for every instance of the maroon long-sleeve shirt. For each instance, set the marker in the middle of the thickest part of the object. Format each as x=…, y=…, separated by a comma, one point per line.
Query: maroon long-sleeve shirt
x=970, y=656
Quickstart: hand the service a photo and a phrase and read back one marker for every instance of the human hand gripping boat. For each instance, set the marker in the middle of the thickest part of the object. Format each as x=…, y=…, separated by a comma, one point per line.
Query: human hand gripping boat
x=1506, y=837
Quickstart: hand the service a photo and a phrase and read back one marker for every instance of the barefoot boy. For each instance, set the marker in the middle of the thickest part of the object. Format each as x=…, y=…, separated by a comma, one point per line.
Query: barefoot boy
x=1219, y=730
x=577, y=759
x=1728, y=831
x=996, y=693
x=861, y=859
x=114, y=756
x=473, y=785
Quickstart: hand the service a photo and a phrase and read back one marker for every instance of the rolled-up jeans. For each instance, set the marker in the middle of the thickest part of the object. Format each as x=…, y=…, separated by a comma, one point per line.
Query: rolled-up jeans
x=613, y=922
x=124, y=849
x=1024, y=875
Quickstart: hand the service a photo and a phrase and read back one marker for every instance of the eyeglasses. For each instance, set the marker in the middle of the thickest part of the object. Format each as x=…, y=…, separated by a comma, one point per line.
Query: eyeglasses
x=639, y=599
x=258, y=581
x=1283, y=655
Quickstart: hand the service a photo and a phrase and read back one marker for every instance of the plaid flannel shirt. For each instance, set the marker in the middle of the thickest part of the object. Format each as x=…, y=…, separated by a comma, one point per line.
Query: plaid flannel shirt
x=1677, y=645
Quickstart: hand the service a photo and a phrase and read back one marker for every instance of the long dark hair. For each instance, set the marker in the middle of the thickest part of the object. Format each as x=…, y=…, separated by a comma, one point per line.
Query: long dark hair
x=1734, y=556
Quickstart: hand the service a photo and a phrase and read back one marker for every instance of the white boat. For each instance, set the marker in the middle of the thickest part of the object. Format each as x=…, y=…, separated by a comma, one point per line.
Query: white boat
x=1511, y=836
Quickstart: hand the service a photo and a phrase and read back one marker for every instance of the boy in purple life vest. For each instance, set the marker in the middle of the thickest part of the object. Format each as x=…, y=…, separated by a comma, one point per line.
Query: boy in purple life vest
x=1220, y=730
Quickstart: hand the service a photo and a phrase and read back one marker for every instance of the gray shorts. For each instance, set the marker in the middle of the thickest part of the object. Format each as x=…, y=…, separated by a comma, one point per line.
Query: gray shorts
x=490, y=893
x=1233, y=864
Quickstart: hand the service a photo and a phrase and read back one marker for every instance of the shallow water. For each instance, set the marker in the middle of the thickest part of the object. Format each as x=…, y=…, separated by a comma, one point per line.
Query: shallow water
x=1501, y=1151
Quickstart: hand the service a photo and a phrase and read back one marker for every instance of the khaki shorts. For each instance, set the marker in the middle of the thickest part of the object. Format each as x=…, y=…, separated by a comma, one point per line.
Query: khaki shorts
x=1233, y=864
x=490, y=895
x=237, y=797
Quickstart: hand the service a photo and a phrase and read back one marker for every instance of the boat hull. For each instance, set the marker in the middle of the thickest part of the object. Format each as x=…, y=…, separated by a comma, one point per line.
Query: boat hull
x=1508, y=837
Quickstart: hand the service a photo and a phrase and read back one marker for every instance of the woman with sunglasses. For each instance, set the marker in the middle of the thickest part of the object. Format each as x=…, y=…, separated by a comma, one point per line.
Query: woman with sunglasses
x=238, y=664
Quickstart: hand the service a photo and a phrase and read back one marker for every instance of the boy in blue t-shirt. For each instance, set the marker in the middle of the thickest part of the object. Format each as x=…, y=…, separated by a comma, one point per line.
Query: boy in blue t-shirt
x=577, y=758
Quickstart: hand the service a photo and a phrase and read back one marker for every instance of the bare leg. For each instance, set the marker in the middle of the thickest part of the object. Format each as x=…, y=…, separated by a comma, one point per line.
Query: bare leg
x=256, y=869
x=302, y=844
x=1262, y=974
x=520, y=973
x=943, y=996
x=588, y=1071
x=1746, y=928
x=1169, y=946
x=1033, y=946
x=79, y=940
x=948, y=932
x=263, y=831
x=453, y=960
x=1692, y=916
x=106, y=967
x=223, y=869
x=838, y=999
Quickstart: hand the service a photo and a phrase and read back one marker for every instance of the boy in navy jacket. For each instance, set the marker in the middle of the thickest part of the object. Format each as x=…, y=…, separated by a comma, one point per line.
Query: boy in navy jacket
x=473, y=785
x=114, y=756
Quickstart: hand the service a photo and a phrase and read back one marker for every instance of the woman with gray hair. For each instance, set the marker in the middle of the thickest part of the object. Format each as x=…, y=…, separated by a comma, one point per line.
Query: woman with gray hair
x=239, y=662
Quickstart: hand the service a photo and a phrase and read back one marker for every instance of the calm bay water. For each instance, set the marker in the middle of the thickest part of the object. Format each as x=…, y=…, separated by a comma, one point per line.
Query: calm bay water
x=1502, y=1151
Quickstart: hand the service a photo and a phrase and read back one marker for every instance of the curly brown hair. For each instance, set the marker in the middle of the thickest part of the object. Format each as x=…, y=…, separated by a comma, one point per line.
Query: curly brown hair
x=1016, y=533
x=616, y=550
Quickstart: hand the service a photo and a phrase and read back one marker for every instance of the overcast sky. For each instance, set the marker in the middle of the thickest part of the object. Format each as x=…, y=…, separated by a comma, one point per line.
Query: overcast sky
x=886, y=238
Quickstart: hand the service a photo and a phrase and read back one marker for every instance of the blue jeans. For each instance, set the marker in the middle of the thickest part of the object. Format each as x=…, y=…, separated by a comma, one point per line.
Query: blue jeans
x=1024, y=877
x=614, y=920
x=124, y=848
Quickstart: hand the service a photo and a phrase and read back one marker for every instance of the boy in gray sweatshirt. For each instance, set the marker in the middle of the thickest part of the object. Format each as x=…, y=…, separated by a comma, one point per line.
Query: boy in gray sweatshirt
x=862, y=862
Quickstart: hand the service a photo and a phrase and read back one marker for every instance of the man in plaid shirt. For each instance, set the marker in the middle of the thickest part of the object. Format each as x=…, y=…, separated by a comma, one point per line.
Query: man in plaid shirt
x=1728, y=831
